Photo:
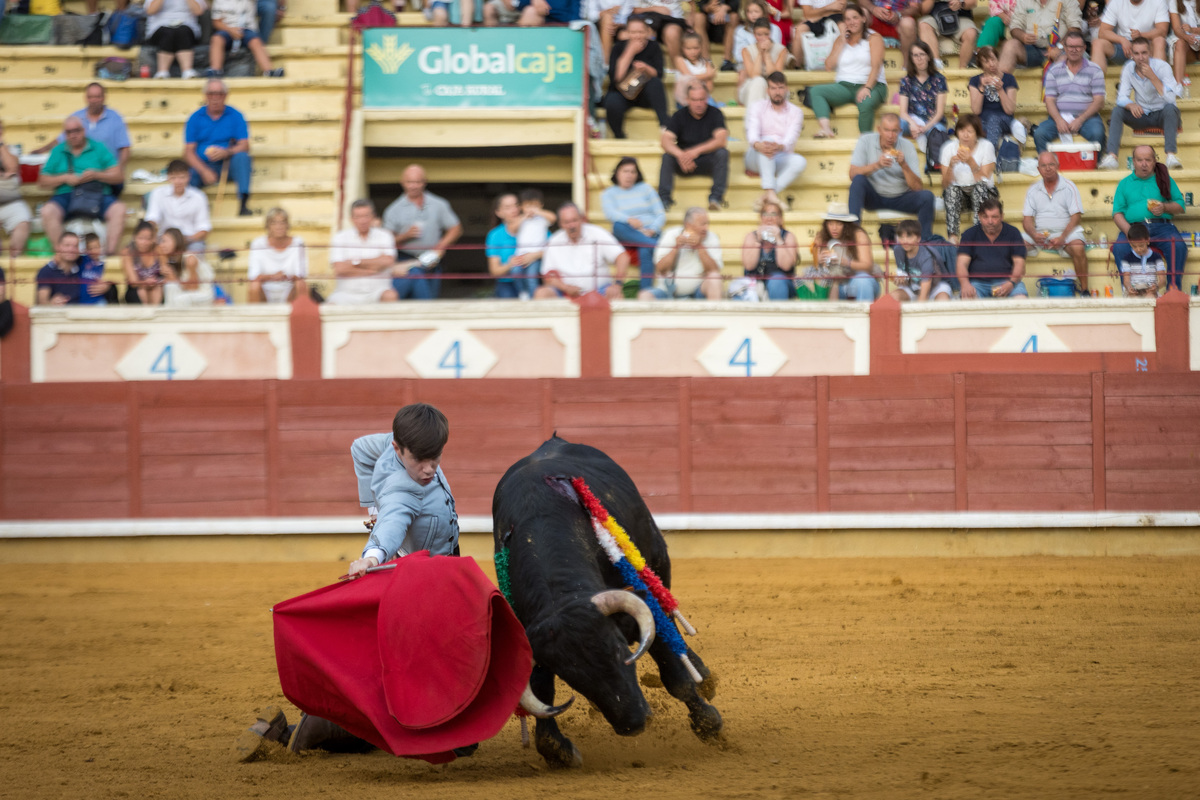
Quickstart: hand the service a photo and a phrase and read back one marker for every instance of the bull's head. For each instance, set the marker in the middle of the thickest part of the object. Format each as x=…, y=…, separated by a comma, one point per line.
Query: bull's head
x=588, y=650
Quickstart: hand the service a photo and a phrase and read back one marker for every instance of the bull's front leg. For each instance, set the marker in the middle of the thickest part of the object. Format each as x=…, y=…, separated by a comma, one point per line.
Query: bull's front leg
x=557, y=749
x=704, y=718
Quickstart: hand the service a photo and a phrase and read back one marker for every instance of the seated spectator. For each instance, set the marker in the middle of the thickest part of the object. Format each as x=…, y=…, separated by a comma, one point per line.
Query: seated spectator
x=666, y=20
x=190, y=279
x=779, y=12
x=513, y=276
x=582, y=258
x=235, y=24
x=82, y=172
x=687, y=261
x=857, y=58
x=278, y=263
x=1149, y=195
x=145, y=268
x=101, y=124
x=993, y=97
x=424, y=226
x=636, y=59
x=770, y=253
x=91, y=263
x=923, y=93
x=884, y=174
x=759, y=61
x=178, y=205
x=1000, y=17
x=721, y=22
x=968, y=168
x=819, y=17
x=692, y=65
x=991, y=256
x=1183, y=43
x=438, y=12
x=217, y=139
x=69, y=277
x=1126, y=20
x=1147, y=97
x=842, y=249
x=963, y=31
x=1143, y=271
x=636, y=213
x=743, y=37
x=1092, y=10
x=533, y=231
x=919, y=271
x=15, y=215
x=896, y=20
x=772, y=128
x=173, y=30
x=363, y=257
x=270, y=13
x=1074, y=90
x=536, y=13
x=1052, y=213
x=508, y=12
x=1037, y=28
x=694, y=142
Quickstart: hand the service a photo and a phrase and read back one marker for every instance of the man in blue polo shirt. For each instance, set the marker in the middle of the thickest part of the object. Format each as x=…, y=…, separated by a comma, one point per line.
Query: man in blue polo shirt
x=991, y=256
x=81, y=163
x=71, y=278
x=218, y=138
x=101, y=124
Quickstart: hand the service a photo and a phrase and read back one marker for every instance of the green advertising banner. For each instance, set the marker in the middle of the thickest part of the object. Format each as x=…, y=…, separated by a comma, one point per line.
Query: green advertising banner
x=429, y=67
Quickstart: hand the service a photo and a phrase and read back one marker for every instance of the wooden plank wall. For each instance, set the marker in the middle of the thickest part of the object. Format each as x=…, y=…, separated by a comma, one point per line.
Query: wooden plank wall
x=881, y=443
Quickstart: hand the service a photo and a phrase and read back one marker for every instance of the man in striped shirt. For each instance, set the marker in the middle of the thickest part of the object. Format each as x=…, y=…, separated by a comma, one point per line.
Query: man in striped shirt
x=1074, y=96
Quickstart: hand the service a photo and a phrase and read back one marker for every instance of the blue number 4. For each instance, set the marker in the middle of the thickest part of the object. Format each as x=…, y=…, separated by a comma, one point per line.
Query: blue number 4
x=168, y=369
x=748, y=361
x=455, y=353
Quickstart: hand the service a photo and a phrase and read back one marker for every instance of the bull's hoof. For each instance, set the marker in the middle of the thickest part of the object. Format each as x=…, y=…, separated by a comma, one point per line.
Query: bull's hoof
x=559, y=753
x=708, y=688
x=706, y=724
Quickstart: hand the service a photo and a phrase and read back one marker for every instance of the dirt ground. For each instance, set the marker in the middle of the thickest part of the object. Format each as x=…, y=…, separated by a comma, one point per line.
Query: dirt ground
x=863, y=678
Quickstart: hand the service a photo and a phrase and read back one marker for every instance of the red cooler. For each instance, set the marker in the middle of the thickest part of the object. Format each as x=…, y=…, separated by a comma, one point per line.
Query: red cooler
x=1077, y=155
x=31, y=166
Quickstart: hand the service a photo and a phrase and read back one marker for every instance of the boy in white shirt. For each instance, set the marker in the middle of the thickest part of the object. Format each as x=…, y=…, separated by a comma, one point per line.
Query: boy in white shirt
x=1143, y=272
x=532, y=234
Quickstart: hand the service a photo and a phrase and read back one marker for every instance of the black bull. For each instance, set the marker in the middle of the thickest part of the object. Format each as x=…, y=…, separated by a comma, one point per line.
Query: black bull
x=556, y=568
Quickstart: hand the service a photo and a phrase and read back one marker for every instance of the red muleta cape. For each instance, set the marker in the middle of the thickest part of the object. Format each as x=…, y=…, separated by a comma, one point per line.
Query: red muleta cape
x=417, y=660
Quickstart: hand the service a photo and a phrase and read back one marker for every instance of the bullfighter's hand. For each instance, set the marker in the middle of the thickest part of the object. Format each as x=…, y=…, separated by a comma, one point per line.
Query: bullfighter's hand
x=360, y=567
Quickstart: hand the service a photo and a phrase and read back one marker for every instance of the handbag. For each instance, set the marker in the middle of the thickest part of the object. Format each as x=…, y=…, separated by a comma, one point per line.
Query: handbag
x=632, y=85
x=817, y=48
x=934, y=139
x=10, y=189
x=946, y=19
x=87, y=199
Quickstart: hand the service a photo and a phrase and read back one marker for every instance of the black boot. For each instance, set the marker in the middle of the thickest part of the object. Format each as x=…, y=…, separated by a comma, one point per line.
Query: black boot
x=315, y=733
x=256, y=741
x=243, y=210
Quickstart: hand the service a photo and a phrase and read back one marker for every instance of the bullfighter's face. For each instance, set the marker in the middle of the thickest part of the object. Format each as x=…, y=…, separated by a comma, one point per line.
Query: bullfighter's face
x=420, y=470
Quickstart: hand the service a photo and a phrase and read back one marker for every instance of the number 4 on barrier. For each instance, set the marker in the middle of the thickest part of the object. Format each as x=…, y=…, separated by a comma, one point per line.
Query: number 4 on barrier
x=455, y=352
x=746, y=361
x=167, y=368
x=1030, y=345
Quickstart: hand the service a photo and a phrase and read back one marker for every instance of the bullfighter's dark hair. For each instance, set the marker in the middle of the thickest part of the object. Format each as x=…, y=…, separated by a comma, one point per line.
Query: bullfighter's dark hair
x=422, y=430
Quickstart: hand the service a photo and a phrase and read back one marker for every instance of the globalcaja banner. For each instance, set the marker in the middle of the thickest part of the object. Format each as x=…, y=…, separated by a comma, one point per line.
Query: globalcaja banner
x=431, y=67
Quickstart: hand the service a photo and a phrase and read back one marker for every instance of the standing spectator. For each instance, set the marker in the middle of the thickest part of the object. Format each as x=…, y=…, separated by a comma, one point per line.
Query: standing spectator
x=69, y=277
x=968, y=168
x=1143, y=271
x=80, y=162
x=190, y=279
x=919, y=272
x=1149, y=195
x=884, y=174
x=178, y=205
x=636, y=213
x=635, y=58
x=217, y=139
x=424, y=226
x=1147, y=97
x=235, y=24
x=173, y=30
x=1184, y=39
x=101, y=124
x=15, y=215
x=1125, y=20
x=991, y=256
x=843, y=249
x=579, y=258
x=817, y=18
x=934, y=26
x=512, y=280
x=278, y=263
x=363, y=257
x=857, y=58
x=143, y=266
x=1074, y=91
x=923, y=93
x=694, y=142
x=764, y=58
x=993, y=97
x=687, y=261
x=770, y=253
x=772, y=128
x=1037, y=27
x=1052, y=213
x=895, y=19
x=1000, y=17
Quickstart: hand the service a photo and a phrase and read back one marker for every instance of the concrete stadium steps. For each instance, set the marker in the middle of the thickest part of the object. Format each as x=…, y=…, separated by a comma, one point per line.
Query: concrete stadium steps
x=271, y=162
x=543, y=169
x=468, y=128
x=307, y=60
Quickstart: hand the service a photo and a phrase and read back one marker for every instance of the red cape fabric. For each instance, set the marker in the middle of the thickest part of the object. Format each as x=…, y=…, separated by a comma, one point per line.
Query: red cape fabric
x=417, y=660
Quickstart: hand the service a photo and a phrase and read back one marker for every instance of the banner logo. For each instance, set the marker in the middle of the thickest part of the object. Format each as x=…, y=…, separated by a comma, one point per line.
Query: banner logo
x=389, y=57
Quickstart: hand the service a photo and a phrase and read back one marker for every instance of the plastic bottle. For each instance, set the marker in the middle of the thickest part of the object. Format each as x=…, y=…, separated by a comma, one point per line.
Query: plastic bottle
x=1104, y=240
x=1108, y=292
x=1187, y=88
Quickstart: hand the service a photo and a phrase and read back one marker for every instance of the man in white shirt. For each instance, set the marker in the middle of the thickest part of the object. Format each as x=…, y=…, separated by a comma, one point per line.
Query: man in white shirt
x=1125, y=20
x=578, y=258
x=1053, y=209
x=363, y=257
x=178, y=205
x=687, y=261
x=772, y=128
x=1146, y=98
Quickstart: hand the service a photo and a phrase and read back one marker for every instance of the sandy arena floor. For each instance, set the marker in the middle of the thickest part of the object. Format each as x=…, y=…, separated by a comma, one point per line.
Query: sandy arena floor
x=1006, y=678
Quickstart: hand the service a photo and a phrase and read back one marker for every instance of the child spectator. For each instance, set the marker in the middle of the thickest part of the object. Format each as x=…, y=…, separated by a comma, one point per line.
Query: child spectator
x=532, y=234
x=1143, y=271
x=235, y=24
x=692, y=66
x=144, y=266
x=91, y=272
x=919, y=273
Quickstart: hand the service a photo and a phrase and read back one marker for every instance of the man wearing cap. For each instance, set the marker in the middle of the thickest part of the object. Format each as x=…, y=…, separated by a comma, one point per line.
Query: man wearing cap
x=884, y=173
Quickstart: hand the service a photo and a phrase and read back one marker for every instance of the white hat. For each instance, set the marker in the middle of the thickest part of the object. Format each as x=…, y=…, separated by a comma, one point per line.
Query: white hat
x=839, y=212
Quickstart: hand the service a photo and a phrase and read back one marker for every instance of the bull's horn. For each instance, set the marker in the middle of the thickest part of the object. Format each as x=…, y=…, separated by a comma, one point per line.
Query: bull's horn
x=537, y=708
x=614, y=600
